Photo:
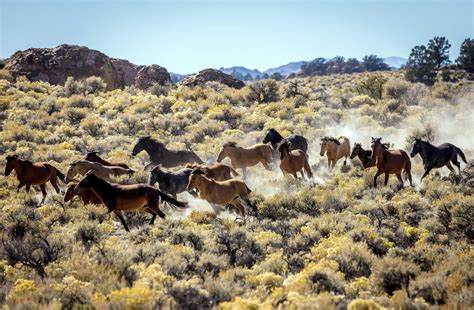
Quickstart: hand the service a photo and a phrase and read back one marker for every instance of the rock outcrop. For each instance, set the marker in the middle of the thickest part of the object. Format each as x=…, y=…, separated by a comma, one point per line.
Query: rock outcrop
x=208, y=75
x=54, y=65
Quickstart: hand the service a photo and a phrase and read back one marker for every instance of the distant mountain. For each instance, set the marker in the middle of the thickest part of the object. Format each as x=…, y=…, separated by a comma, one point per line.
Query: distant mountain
x=292, y=67
x=237, y=70
x=176, y=77
x=395, y=61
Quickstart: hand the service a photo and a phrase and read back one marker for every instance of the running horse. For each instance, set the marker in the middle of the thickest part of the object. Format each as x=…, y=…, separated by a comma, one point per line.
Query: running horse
x=118, y=198
x=293, y=161
x=390, y=162
x=335, y=149
x=30, y=173
x=94, y=157
x=296, y=142
x=437, y=156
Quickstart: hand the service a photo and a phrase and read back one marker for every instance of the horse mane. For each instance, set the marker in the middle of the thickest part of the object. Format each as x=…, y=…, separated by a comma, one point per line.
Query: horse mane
x=198, y=171
x=386, y=145
x=231, y=144
x=356, y=144
x=328, y=138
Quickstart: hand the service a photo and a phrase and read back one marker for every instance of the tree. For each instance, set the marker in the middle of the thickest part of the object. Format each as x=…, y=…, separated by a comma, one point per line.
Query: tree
x=438, y=51
x=315, y=67
x=352, y=65
x=374, y=63
x=466, y=55
x=335, y=65
x=276, y=76
x=420, y=66
x=263, y=91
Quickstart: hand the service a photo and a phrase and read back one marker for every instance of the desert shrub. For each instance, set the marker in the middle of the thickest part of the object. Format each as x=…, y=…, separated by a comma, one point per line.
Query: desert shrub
x=361, y=100
x=188, y=294
x=93, y=126
x=241, y=249
x=73, y=87
x=391, y=274
x=263, y=91
x=396, y=89
x=372, y=86
x=94, y=85
x=5, y=75
x=159, y=90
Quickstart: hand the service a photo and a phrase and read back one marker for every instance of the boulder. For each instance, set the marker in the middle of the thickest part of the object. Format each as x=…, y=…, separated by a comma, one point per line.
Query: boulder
x=208, y=75
x=54, y=65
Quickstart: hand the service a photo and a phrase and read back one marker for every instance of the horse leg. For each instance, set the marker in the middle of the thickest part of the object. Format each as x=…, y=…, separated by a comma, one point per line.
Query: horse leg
x=386, y=178
x=376, y=176
x=153, y=215
x=294, y=175
x=427, y=171
x=54, y=182
x=457, y=164
x=43, y=190
x=236, y=203
x=154, y=206
x=450, y=167
x=329, y=163
x=399, y=177
x=27, y=188
x=122, y=220
x=20, y=186
x=302, y=174
x=244, y=173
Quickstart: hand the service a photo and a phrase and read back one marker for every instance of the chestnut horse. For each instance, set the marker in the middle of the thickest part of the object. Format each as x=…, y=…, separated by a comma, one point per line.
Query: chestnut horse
x=390, y=162
x=118, y=198
x=335, y=149
x=87, y=195
x=216, y=171
x=243, y=157
x=93, y=157
x=29, y=173
x=220, y=192
x=293, y=161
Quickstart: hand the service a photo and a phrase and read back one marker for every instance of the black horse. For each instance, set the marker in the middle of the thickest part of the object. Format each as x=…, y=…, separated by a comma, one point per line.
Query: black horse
x=171, y=183
x=296, y=142
x=437, y=156
x=160, y=155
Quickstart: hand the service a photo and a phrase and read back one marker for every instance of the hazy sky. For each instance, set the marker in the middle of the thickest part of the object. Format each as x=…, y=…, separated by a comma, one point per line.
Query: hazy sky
x=186, y=36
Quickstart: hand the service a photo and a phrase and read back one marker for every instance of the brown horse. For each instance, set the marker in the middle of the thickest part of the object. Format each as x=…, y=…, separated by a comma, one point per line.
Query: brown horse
x=87, y=195
x=216, y=171
x=243, y=157
x=390, y=162
x=335, y=149
x=29, y=173
x=365, y=156
x=81, y=167
x=93, y=157
x=294, y=161
x=118, y=198
x=220, y=192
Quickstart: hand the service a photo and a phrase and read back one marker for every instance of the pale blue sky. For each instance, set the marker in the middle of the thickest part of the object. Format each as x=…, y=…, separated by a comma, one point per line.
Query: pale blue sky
x=186, y=36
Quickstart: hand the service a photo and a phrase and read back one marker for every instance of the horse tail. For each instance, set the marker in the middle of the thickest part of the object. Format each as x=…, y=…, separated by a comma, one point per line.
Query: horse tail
x=60, y=175
x=307, y=168
x=233, y=171
x=407, y=167
x=458, y=150
x=171, y=200
x=248, y=189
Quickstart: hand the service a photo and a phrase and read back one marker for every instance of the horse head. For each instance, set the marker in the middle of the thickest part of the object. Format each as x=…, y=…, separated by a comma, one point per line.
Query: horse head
x=416, y=149
x=140, y=145
x=12, y=162
x=86, y=182
x=355, y=150
x=194, y=178
x=92, y=156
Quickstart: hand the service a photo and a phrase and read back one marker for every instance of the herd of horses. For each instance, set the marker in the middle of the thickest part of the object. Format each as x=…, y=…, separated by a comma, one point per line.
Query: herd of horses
x=216, y=183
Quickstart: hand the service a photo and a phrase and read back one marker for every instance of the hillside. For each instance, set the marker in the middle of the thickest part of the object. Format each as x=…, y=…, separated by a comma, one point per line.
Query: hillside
x=335, y=243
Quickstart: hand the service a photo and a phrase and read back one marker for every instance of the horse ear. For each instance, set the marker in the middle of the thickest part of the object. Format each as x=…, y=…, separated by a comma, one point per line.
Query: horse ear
x=417, y=139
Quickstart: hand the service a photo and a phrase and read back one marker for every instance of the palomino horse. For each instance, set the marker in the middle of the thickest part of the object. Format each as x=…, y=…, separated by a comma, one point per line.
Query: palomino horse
x=171, y=183
x=335, y=149
x=296, y=142
x=29, y=173
x=81, y=167
x=294, y=161
x=437, y=156
x=221, y=192
x=118, y=198
x=87, y=195
x=243, y=157
x=216, y=171
x=390, y=162
x=160, y=155
x=93, y=157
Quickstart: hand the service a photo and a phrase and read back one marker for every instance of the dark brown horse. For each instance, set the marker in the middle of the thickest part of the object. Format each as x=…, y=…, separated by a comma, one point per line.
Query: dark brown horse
x=29, y=173
x=390, y=162
x=87, y=195
x=160, y=155
x=93, y=157
x=118, y=198
x=365, y=156
x=437, y=156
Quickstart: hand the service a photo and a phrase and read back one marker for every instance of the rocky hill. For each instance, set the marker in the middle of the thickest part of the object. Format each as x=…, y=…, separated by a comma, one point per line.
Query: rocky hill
x=54, y=65
x=209, y=75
